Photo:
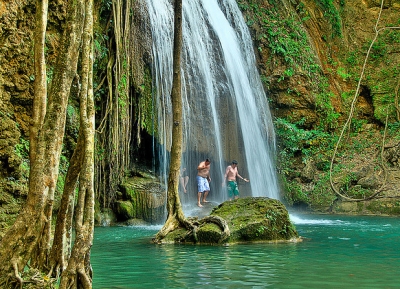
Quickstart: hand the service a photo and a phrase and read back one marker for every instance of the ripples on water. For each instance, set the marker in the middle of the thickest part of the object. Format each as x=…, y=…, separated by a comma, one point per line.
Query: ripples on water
x=338, y=252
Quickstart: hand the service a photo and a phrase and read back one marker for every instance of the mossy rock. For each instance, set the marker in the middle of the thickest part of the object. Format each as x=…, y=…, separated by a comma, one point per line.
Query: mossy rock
x=210, y=233
x=105, y=217
x=146, y=196
x=124, y=210
x=246, y=219
x=256, y=219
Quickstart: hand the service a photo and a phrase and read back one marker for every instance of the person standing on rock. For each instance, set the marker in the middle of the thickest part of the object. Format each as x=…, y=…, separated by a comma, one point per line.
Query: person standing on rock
x=203, y=181
x=231, y=173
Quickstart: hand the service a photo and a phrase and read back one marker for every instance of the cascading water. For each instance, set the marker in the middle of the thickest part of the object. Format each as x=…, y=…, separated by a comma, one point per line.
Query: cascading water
x=225, y=109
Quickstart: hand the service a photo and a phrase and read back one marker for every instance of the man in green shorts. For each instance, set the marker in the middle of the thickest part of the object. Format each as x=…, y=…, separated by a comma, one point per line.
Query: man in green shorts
x=231, y=173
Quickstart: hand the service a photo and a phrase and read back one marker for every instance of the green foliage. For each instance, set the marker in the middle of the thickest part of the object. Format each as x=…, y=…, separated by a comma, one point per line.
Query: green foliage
x=146, y=105
x=383, y=93
x=49, y=74
x=272, y=216
x=357, y=124
x=393, y=35
x=106, y=5
x=71, y=113
x=352, y=59
x=317, y=196
x=333, y=15
x=348, y=181
x=341, y=71
x=62, y=172
x=328, y=115
x=393, y=130
x=283, y=34
x=294, y=193
x=100, y=51
x=100, y=152
x=358, y=192
x=347, y=96
x=378, y=49
x=291, y=136
x=101, y=43
x=22, y=151
x=322, y=196
x=309, y=143
x=276, y=36
x=287, y=73
x=260, y=230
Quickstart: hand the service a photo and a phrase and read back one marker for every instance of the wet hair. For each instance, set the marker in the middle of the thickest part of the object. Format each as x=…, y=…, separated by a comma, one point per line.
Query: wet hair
x=234, y=162
x=208, y=160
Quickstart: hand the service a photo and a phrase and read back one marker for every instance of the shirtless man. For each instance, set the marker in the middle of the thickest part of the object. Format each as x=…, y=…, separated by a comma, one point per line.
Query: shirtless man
x=203, y=180
x=230, y=173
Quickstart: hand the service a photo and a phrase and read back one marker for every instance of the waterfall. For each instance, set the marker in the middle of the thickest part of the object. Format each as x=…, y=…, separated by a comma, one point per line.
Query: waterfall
x=225, y=109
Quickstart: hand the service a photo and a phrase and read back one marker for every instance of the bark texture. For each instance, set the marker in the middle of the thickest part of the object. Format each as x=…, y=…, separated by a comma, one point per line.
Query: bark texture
x=32, y=226
x=175, y=213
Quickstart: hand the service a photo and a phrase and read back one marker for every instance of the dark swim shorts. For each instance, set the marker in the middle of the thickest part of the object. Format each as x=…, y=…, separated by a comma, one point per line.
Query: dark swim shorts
x=232, y=189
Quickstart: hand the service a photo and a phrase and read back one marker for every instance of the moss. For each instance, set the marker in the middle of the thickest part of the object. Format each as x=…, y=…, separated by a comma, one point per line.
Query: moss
x=124, y=210
x=248, y=219
x=146, y=106
x=384, y=207
x=256, y=219
x=209, y=234
x=146, y=195
x=178, y=236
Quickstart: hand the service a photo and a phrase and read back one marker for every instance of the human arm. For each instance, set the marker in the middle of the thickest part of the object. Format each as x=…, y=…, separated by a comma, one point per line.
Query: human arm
x=201, y=166
x=240, y=177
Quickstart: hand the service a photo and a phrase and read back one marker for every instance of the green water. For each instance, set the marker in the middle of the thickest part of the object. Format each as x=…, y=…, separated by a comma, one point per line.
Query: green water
x=338, y=252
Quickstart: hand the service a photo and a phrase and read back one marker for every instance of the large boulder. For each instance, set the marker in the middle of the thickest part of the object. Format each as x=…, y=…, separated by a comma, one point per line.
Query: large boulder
x=141, y=197
x=243, y=220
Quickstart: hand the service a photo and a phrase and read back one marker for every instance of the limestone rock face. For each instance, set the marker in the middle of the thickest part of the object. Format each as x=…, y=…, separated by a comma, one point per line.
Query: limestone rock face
x=141, y=197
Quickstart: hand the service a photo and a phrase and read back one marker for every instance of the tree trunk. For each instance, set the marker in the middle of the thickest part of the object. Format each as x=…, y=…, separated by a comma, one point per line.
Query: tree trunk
x=40, y=85
x=61, y=248
x=21, y=239
x=78, y=272
x=174, y=207
x=38, y=113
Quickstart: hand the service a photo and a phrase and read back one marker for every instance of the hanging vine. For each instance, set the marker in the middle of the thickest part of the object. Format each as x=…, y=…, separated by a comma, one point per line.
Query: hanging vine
x=348, y=122
x=121, y=108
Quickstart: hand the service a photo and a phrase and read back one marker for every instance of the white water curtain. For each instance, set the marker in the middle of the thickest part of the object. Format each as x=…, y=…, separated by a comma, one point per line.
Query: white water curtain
x=225, y=109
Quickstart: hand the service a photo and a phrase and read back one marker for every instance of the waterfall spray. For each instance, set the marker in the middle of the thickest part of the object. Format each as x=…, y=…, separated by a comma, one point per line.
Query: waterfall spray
x=225, y=109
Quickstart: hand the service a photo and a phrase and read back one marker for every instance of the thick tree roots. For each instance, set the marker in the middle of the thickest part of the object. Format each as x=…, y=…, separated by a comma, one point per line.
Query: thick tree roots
x=192, y=227
x=29, y=279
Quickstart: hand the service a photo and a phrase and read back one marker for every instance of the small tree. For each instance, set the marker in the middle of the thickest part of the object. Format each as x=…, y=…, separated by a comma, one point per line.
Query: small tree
x=175, y=213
